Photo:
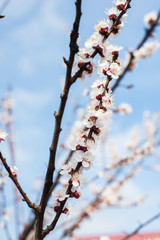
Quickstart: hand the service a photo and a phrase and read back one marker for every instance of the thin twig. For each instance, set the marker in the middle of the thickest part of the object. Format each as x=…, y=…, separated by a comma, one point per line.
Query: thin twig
x=17, y=184
x=4, y=206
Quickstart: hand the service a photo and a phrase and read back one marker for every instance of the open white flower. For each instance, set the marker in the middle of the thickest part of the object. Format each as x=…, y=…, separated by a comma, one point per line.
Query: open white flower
x=103, y=68
x=94, y=40
x=102, y=24
x=60, y=195
x=114, y=70
x=67, y=168
x=85, y=157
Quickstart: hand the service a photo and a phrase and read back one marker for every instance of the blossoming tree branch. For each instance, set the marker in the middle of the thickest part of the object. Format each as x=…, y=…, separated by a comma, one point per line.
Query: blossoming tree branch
x=99, y=57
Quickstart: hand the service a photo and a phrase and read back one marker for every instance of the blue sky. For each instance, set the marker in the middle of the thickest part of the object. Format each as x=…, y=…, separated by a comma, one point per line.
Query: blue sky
x=34, y=37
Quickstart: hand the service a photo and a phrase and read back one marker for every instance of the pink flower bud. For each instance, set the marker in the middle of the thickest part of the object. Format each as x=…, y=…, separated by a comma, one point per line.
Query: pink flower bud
x=14, y=174
x=65, y=210
x=75, y=194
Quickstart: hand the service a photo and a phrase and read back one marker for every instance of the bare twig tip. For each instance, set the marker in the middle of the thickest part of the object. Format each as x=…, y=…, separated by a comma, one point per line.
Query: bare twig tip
x=65, y=61
x=55, y=113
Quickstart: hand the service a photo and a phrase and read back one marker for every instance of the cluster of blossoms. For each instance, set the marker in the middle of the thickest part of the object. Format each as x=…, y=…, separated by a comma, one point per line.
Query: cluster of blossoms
x=113, y=195
x=108, y=64
x=148, y=48
x=138, y=150
x=101, y=101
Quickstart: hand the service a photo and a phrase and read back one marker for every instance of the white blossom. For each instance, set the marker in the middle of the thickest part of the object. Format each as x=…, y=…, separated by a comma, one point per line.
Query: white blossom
x=94, y=40
x=150, y=18
x=66, y=168
x=76, y=179
x=124, y=108
x=85, y=157
x=14, y=170
x=118, y=2
x=112, y=10
x=3, y=135
x=114, y=70
x=60, y=194
x=102, y=24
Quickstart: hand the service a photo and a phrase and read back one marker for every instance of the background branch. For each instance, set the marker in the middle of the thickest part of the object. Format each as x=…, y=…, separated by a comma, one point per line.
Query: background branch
x=17, y=184
x=145, y=38
x=155, y=217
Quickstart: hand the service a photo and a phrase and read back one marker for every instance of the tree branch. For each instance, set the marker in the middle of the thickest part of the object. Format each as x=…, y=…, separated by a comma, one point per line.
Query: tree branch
x=58, y=118
x=28, y=228
x=18, y=186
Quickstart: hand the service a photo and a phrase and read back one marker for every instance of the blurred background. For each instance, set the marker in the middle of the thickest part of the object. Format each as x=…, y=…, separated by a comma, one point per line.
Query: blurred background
x=34, y=36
